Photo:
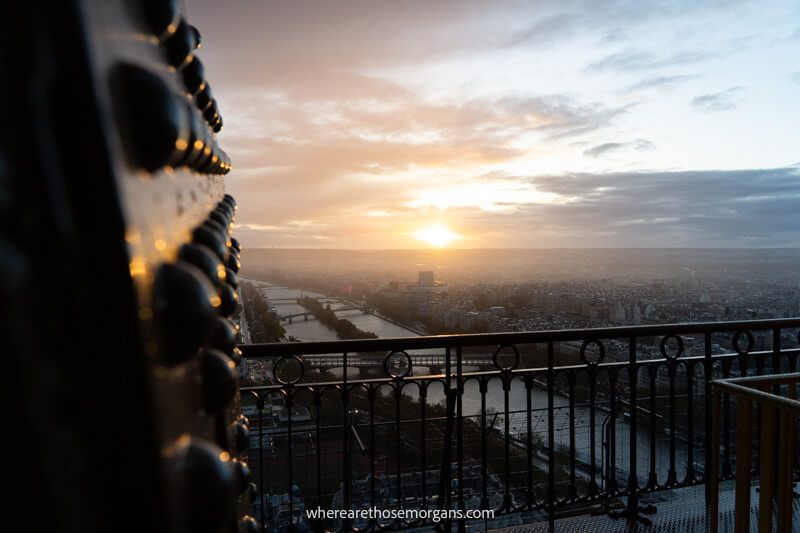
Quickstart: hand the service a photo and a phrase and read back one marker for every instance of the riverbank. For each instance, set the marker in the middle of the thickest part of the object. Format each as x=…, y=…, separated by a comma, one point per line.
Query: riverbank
x=418, y=331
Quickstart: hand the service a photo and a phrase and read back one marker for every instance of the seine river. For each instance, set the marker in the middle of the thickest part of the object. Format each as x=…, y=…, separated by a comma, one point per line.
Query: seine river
x=313, y=330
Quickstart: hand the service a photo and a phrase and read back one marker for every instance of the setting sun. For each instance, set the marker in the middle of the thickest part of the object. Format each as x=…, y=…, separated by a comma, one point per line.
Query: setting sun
x=437, y=235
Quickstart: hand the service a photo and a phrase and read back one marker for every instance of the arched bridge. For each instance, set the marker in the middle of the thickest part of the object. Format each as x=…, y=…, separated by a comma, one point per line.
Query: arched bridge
x=307, y=314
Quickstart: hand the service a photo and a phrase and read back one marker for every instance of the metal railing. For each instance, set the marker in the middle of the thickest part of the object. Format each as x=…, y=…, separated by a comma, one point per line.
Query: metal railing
x=561, y=422
x=775, y=401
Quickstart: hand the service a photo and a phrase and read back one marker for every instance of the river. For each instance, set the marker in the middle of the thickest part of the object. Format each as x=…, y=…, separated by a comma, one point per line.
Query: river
x=282, y=299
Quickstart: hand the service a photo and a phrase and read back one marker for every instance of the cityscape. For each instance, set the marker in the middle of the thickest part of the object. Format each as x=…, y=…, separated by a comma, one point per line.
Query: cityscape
x=379, y=296
x=590, y=288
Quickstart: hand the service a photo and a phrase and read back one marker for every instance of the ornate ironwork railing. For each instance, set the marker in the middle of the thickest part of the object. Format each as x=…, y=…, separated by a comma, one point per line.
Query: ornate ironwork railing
x=559, y=422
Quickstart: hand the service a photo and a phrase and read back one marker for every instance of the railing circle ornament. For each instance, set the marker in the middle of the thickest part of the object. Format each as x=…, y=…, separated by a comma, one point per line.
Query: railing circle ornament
x=496, y=358
x=671, y=355
x=398, y=364
x=601, y=352
x=750, y=342
x=288, y=369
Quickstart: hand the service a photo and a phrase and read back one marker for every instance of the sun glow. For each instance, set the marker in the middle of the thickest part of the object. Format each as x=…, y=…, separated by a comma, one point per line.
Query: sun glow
x=437, y=235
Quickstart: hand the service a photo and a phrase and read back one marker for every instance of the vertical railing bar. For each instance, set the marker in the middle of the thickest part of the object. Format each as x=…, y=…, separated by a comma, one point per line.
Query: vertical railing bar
x=759, y=365
x=344, y=369
x=551, y=473
x=529, y=439
x=444, y=477
x=612, y=432
x=592, y=436
x=633, y=385
x=786, y=440
x=290, y=457
x=260, y=401
x=708, y=370
x=507, y=441
x=447, y=367
x=460, y=432
x=776, y=354
x=347, y=502
x=398, y=394
x=690, y=475
x=726, y=424
x=652, y=478
x=372, y=395
x=423, y=395
x=792, y=440
x=672, y=476
x=484, y=450
x=766, y=470
x=573, y=489
x=757, y=408
x=744, y=459
x=713, y=473
x=318, y=405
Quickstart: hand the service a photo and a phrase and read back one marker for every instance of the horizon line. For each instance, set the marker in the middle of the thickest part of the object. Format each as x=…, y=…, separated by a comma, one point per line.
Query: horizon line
x=587, y=248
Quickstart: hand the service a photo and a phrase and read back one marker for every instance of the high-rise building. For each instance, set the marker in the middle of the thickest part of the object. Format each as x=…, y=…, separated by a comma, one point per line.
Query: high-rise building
x=426, y=278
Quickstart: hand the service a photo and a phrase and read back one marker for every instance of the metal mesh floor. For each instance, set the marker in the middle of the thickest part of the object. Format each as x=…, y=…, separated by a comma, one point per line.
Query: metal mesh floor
x=679, y=516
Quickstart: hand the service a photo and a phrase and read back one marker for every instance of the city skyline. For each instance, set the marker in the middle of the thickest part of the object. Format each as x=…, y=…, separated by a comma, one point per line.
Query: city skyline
x=401, y=125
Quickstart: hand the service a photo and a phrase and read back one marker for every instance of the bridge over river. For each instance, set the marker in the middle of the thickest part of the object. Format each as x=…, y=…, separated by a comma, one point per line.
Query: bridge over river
x=309, y=315
x=295, y=299
x=432, y=361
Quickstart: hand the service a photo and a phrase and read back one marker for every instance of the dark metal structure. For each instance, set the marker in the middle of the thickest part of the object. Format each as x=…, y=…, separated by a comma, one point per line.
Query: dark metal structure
x=117, y=275
x=619, y=392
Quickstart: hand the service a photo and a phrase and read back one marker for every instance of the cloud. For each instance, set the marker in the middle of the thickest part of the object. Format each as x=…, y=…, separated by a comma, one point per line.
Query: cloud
x=615, y=35
x=562, y=116
x=716, y=102
x=600, y=150
x=259, y=227
x=683, y=208
x=323, y=154
x=635, y=60
x=556, y=27
x=661, y=82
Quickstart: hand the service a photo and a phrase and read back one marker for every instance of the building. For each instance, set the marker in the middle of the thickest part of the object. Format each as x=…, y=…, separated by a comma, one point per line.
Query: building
x=426, y=278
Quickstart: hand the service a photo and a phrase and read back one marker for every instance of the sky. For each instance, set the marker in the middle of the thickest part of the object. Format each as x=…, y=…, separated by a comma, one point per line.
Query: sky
x=505, y=124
